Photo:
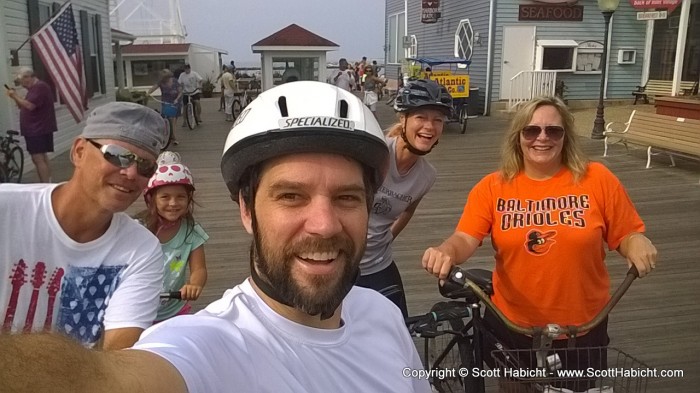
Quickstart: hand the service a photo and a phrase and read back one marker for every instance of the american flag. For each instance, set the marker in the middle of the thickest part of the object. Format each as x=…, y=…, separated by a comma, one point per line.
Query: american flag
x=57, y=45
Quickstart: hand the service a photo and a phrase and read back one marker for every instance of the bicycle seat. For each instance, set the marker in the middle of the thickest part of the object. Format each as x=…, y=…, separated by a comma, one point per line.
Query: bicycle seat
x=481, y=277
x=11, y=132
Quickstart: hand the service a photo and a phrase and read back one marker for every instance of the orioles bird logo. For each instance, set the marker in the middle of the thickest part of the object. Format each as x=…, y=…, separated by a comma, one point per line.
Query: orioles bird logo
x=540, y=243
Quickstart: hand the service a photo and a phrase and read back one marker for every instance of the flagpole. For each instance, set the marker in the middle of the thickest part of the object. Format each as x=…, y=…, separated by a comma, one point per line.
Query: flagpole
x=53, y=18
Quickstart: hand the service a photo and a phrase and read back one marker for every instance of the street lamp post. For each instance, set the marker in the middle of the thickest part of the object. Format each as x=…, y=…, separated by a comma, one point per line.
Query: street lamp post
x=607, y=7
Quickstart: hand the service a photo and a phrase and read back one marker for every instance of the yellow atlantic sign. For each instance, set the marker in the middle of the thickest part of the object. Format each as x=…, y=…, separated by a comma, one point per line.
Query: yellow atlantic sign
x=457, y=85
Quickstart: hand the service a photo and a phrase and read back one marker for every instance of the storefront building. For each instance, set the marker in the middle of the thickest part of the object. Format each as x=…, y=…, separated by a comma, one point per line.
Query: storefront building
x=555, y=39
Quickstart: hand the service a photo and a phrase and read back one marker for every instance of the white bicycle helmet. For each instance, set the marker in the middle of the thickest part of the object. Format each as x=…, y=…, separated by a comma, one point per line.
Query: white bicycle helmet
x=303, y=117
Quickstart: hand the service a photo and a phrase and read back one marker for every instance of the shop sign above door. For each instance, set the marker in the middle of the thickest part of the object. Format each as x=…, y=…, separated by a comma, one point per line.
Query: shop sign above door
x=550, y=12
x=669, y=5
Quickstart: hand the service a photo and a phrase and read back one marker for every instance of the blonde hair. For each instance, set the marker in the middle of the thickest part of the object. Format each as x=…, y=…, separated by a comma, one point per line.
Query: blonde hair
x=395, y=130
x=572, y=157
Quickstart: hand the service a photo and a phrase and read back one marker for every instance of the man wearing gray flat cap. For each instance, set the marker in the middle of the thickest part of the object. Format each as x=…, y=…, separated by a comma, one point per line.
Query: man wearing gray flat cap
x=71, y=260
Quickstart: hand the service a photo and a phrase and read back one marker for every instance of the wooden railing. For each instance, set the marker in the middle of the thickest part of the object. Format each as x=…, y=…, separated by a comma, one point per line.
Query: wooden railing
x=529, y=84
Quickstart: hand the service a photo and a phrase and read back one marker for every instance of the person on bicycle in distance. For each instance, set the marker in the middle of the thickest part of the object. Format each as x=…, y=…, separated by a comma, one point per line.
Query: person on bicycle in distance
x=423, y=107
x=550, y=212
x=302, y=161
x=191, y=83
x=170, y=95
x=72, y=261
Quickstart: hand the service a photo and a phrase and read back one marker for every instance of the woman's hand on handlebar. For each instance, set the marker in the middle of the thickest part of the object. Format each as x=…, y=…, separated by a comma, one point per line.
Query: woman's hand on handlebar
x=437, y=262
x=191, y=292
x=639, y=252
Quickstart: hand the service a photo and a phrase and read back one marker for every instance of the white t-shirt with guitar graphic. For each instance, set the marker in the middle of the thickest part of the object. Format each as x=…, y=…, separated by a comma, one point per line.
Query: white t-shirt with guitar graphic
x=48, y=281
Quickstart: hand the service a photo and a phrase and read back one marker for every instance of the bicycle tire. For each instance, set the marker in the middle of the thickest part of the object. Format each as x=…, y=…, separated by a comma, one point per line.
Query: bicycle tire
x=454, y=353
x=236, y=108
x=14, y=165
x=3, y=177
x=189, y=115
x=170, y=136
x=463, y=118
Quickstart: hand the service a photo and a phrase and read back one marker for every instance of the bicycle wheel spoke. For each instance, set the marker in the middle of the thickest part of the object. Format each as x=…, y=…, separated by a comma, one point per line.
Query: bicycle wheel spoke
x=191, y=121
x=236, y=109
x=15, y=165
x=448, y=353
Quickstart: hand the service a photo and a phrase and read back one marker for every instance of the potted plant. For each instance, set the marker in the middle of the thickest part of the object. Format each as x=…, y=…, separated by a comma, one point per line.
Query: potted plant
x=207, y=88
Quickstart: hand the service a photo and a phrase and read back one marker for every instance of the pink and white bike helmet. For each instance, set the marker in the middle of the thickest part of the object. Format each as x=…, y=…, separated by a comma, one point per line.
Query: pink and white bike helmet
x=170, y=171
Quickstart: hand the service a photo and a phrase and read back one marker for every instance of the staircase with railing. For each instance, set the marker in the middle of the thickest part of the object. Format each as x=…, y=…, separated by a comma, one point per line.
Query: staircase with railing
x=526, y=85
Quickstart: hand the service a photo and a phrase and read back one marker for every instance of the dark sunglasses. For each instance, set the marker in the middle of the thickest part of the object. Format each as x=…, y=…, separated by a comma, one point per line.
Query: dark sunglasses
x=123, y=158
x=532, y=132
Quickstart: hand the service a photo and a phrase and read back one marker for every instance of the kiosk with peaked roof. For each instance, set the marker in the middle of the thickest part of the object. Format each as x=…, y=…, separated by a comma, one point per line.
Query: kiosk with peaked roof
x=296, y=53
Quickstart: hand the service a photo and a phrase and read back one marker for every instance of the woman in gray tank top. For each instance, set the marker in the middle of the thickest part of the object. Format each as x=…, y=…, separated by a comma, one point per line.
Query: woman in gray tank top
x=423, y=106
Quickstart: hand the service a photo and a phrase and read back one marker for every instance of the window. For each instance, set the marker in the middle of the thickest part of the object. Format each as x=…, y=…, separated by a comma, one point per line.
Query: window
x=93, y=58
x=464, y=38
x=397, y=29
x=556, y=55
x=413, y=48
x=588, y=57
x=97, y=73
x=147, y=72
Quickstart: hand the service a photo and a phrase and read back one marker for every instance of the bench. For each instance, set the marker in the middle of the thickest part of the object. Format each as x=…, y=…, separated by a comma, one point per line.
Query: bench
x=655, y=87
x=673, y=135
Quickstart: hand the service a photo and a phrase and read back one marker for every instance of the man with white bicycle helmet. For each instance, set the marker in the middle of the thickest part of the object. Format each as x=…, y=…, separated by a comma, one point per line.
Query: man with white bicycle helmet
x=303, y=160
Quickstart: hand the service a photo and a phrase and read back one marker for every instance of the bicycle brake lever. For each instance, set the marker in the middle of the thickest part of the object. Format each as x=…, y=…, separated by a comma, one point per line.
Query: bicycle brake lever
x=453, y=283
x=457, y=277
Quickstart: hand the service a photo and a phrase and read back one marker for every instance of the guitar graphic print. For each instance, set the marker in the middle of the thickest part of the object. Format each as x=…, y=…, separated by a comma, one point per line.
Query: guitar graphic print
x=17, y=279
x=38, y=278
x=53, y=288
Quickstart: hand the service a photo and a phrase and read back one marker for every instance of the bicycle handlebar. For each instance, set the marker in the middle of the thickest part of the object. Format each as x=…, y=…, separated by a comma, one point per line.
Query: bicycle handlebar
x=458, y=276
x=171, y=295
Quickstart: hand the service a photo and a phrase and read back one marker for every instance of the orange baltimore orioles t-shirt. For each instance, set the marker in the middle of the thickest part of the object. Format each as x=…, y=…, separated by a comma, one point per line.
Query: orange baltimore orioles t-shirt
x=549, y=237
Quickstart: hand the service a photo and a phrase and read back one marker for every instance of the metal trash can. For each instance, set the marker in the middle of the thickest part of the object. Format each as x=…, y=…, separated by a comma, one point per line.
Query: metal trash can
x=473, y=103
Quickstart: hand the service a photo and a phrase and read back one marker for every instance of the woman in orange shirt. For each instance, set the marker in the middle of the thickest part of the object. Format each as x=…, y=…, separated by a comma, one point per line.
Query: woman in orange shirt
x=549, y=212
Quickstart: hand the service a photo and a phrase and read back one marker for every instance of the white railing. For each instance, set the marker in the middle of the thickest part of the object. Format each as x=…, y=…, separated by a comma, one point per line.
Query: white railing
x=529, y=84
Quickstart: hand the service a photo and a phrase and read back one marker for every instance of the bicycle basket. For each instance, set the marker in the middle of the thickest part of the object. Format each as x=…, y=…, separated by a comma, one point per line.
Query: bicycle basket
x=169, y=110
x=593, y=369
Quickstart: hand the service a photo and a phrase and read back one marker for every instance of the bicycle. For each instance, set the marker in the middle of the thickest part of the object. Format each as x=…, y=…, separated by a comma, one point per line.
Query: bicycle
x=537, y=368
x=11, y=158
x=189, y=111
x=240, y=101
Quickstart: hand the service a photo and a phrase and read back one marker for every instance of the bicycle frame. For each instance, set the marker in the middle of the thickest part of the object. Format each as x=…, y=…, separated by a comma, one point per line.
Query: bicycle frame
x=475, y=332
x=190, y=111
x=11, y=158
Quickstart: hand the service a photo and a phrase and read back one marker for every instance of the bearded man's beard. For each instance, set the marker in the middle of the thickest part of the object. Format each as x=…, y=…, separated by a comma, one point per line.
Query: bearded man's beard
x=317, y=294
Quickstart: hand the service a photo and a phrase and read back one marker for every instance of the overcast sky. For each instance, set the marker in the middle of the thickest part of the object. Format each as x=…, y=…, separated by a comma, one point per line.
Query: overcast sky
x=357, y=26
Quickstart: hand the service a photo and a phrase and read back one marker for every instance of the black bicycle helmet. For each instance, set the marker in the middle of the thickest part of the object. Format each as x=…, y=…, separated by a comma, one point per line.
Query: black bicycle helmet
x=423, y=93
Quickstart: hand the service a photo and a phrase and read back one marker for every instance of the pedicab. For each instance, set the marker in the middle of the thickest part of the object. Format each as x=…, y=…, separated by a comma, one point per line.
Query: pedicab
x=448, y=73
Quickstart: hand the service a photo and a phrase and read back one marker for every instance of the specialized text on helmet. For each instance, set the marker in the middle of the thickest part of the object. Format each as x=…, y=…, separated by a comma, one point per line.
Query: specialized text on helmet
x=317, y=121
